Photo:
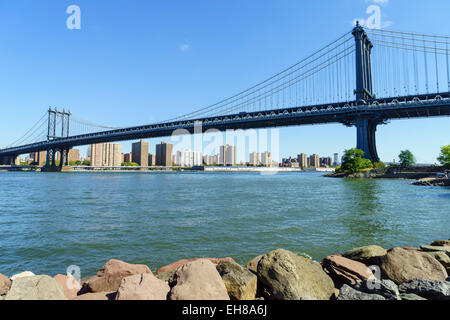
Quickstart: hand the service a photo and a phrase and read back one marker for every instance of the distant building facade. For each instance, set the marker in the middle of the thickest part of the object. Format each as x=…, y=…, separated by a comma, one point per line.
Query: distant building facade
x=314, y=161
x=266, y=159
x=151, y=159
x=254, y=159
x=164, y=154
x=39, y=158
x=303, y=160
x=106, y=154
x=139, y=151
x=227, y=155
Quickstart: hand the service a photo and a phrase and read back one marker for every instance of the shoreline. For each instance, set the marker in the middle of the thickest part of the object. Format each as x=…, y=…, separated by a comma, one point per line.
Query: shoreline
x=424, y=176
x=364, y=273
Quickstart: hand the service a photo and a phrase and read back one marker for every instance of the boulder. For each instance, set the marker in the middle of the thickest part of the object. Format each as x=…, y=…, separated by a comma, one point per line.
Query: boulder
x=252, y=265
x=443, y=258
x=22, y=275
x=367, y=255
x=287, y=276
x=198, y=280
x=109, y=277
x=5, y=284
x=35, y=288
x=385, y=288
x=166, y=276
x=348, y=293
x=401, y=265
x=175, y=265
x=142, y=287
x=429, y=289
x=445, y=249
x=441, y=243
x=240, y=282
x=69, y=285
x=97, y=296
x=345, y=271
x=411, y=297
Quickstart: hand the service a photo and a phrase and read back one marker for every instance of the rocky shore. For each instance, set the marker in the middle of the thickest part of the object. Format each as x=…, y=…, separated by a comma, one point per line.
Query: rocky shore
x=365, y=273
x=425, y=176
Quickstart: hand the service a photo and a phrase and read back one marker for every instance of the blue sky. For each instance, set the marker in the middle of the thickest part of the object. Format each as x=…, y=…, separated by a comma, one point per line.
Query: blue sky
x=136, y=62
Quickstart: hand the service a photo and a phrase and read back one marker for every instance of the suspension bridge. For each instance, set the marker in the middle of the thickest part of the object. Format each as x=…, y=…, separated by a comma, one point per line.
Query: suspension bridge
x=365, y=78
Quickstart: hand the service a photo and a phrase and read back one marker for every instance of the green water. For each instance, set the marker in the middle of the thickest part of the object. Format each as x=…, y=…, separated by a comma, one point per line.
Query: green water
x=50, y=221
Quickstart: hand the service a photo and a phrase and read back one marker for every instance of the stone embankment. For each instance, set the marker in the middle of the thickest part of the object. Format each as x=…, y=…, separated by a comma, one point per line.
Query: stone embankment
x=366, y=273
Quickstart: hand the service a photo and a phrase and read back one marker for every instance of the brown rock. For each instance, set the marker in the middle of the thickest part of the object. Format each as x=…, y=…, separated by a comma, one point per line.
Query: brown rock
x=175, y=265
x=198, y=280
x=367, y=255
x=287, y=276
x=345, y=271
x=240, y=282
x=109, y=277
x=400, y=265
x=441, y=243
x=142, y=287
x=5, y=284
x=252, y=265
x=69, y=285
x=97, y=296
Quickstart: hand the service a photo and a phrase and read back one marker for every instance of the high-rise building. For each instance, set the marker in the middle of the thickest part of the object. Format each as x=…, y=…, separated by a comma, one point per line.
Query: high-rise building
x=164, y=154
x=39, y=158
x=254, y=159
x=266, y=159
x=106, y=154
x=139, y=152
x=227, y=155
x=336, y=159
x=326, y=161
x=302, y=159
x=314, y=161
x=128, y=157
x=74, y=155
x=151, y=159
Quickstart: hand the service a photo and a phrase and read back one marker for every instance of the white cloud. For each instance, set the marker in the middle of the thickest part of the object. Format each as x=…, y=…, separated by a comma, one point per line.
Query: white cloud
x=184, y=47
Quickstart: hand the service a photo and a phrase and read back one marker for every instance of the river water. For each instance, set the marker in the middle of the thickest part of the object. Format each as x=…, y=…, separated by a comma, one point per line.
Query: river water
x=53, y=220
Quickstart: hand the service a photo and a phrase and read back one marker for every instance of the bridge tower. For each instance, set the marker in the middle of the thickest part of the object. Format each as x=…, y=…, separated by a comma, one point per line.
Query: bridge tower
x=365, y=126
x=57, y=118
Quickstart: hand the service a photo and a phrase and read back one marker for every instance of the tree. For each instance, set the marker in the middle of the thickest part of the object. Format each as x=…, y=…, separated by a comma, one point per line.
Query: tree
x=353, y=161
x=407, y=159
x=444, y=157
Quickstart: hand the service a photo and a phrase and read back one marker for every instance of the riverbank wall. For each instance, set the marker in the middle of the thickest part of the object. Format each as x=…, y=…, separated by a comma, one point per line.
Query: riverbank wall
x=365, y=273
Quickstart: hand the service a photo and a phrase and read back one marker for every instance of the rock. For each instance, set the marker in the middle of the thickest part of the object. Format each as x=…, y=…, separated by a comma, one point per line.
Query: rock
x=385, y=288
x=97, y=296
x=445, y=249
x=240, y=282
x=346, y=271
x=429, y=289
x=287, y=276
x=410, y=296
x=166, y=276
x=252, y=265
x=35, y=288
x=400, y=265
x=69, y=285
x=348, y=293
x=5, y=284
x=142, y=287
x=175, y=265
x=443, y=258
x=441, y=243
x=367, y=255
x=198, y=280
x=109, y=277
x=22, y=274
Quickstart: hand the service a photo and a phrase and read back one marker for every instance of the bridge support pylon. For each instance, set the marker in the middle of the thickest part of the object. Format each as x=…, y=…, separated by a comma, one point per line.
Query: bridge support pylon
x=365, y=138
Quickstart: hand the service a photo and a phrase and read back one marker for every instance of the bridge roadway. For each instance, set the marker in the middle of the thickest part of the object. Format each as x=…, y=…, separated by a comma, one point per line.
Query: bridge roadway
x=348, y=113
